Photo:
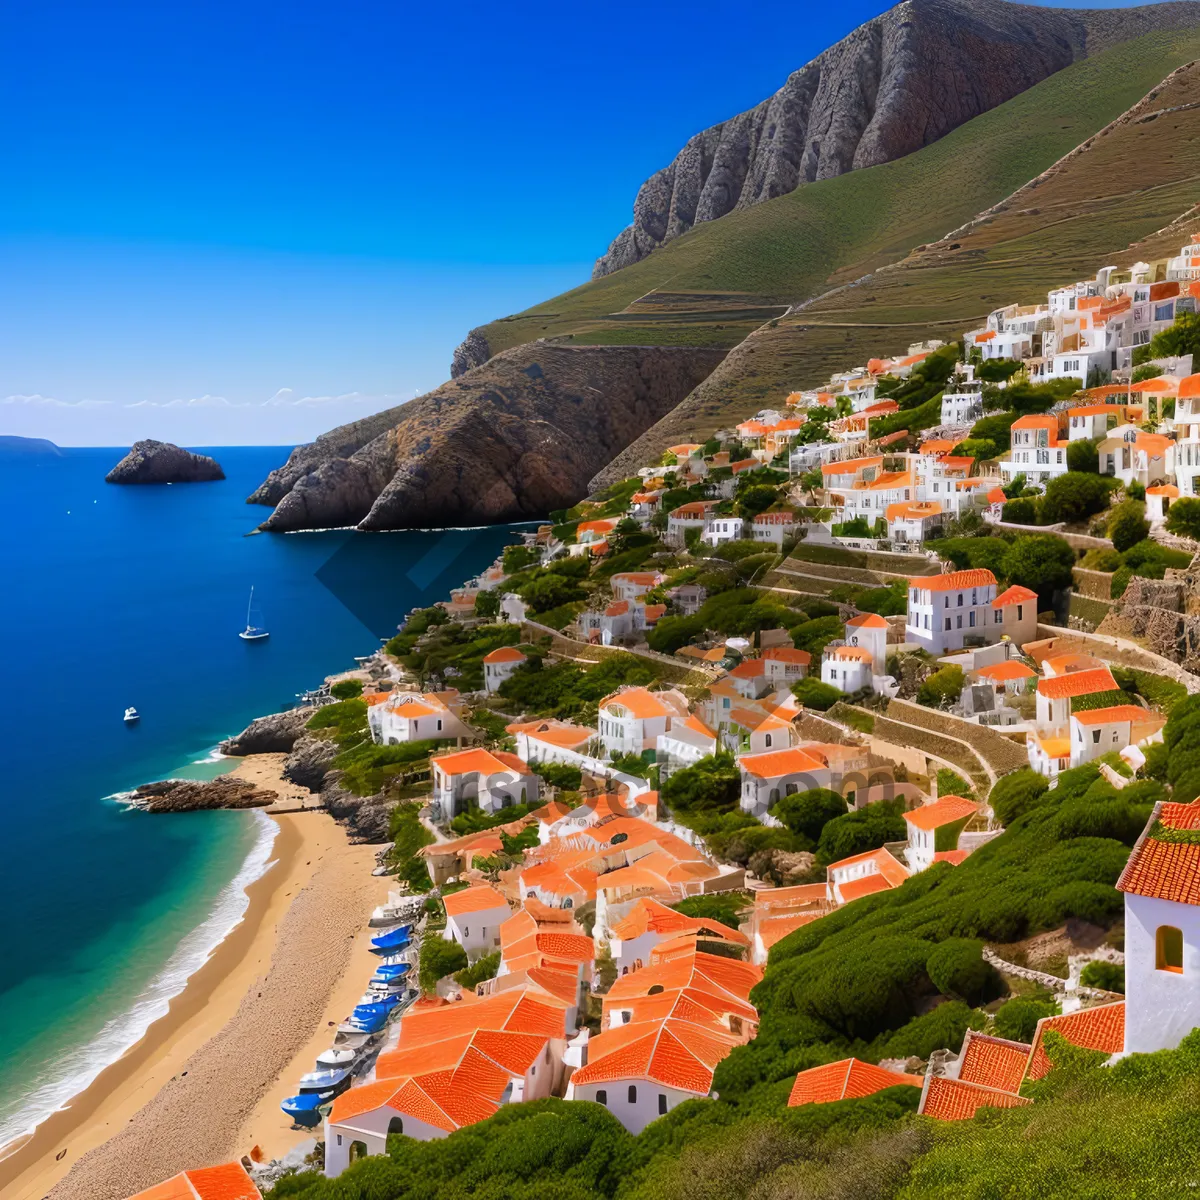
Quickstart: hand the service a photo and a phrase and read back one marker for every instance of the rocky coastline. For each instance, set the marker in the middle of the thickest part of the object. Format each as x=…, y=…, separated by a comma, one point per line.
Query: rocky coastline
x=163, y=462
x=191, y=795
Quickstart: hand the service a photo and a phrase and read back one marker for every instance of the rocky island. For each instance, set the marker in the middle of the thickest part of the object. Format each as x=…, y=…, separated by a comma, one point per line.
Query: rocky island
x=162, y=462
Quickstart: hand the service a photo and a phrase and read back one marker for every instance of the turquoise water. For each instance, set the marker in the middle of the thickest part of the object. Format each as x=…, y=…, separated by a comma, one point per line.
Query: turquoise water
x=117, y=596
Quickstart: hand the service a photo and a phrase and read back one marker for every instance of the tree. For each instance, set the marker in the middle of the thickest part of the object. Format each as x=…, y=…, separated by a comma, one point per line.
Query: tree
x=1075, y=497
x=942, y=688
x=1183, y=518
x=1145, y=371
x=487, y=603
x=1016, y=487
x=550, y=591
x=1022, y=511
x=1041, y=562
x=517, y=558
x=957, y=969
x=1127, y=524
x=1181, y=338
x=1105, y=975
x=812, y=693
x=1082, y=455
x=439, y=958
x=756, y=499
x=807, y=813
x=714, y=784
x=866, y=829
x=670, y=633
x=481, y=969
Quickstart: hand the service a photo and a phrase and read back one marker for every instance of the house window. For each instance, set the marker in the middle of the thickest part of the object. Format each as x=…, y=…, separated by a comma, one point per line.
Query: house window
x=602, y=1097
x=1168, y=949
x=1095, y=737
x=972, y=620
x=960, y=620
x=960, y=599
x=1020, y=611
x=768, y=741
x=632, y=1094
x=999, y=616
x=662, y=1104
x=947, y=624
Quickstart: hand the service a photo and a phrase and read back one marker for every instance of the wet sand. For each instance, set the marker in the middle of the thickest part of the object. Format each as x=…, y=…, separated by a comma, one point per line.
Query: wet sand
x=203, y=1085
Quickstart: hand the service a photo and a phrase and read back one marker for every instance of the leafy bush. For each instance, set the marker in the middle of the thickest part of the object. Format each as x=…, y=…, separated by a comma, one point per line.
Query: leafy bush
x=1183, y=517
x=481, y=969
x=814, y=634
x=367, y=768
x=1082, y=455
x=807, y=813
x=1100, y=559
x=1022, y=511
x=408, y=836
x=956, y=968
x=347, y=719
x=439, y=958
x=724, y=907
x=1016, y=794
x=1017, y=1019
x=866, y=829
x=812, y=693
x=346, y=689
x=560, y=775
x=713, y=785
x=942, y=688
x=951, y=784
x=1127, y=525
x=1040, y=561
x=1075, y=497
x=1120, y=581
x=1108, y=976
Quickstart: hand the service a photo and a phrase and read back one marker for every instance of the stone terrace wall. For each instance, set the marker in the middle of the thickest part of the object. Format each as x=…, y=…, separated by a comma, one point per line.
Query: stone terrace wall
x=932, y=743
x=1001, y=753
x=1096, y=584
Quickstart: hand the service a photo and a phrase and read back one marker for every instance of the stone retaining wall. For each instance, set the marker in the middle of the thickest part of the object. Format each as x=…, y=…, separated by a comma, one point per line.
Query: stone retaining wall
x=1001, y=753
x=955, y=752
x=1096, y=584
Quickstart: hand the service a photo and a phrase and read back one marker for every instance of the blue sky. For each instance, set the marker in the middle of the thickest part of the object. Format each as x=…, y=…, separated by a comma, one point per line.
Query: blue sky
x=245, y=223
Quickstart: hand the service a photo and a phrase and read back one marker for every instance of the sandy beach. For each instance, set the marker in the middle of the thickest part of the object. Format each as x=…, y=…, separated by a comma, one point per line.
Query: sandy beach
x=204, y=1084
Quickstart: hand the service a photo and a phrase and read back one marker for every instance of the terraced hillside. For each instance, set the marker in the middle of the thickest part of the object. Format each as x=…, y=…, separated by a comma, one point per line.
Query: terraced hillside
x=716, y=284
x=1126, y=194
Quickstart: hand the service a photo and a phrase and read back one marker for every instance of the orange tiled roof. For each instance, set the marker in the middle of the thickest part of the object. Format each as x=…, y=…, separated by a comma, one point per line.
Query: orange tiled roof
x=776, y=763
x=1164, y=489
x=849, y=1079
x=1077, y=683
x=504, y=654
x=1014, y=595
x=229, y=1181
x=892, y=871
x=788, y=655
x=850, y=466
x=1006, y=671
x=943, y=811
x=463, y=762
x=993, y=1062
x=649, y=916
x=775, y=929
x=1101, y=1028
x=1133, y=713
x=868, y=885
x=953, y=1100
x=786, y=897
x=867, y=621
x=1165, y=870
x=953, y=857
x=954, y=580
x=555, y=733
x=641, y=703
x=474, y=899
x=673, y=1053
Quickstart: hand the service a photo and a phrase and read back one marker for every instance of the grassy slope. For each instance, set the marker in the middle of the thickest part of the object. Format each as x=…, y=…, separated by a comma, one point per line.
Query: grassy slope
x=717, y=283
x=1105, y=204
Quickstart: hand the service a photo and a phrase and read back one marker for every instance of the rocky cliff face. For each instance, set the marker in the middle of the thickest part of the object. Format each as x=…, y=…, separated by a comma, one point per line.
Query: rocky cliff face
x=473, y=351
x=273, y=734
x=161, y=462
x=506, y=441
x=895, y=84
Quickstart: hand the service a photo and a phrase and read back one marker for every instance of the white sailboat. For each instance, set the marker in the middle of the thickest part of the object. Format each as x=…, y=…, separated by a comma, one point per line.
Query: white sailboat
x=132, y=716
x=252, y=632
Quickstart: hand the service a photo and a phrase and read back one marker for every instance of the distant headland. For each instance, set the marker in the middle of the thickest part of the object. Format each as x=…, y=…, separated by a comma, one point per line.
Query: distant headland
x=12, y=446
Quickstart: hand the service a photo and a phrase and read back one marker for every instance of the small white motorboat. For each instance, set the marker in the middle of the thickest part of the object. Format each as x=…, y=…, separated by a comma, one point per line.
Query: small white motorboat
x=338, y=1058
x=132, y=716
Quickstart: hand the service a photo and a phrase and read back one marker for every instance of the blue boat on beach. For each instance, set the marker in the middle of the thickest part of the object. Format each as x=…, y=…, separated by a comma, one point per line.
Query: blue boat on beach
x=390, y=974
x=305, y=1109
x=393, y=940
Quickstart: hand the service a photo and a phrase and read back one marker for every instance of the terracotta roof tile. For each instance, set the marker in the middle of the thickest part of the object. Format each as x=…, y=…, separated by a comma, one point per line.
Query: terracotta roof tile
x=849, y=1079
x=230, y=1181
x=954, y=580
x=993, y=1062
x=1101, y=1028
x=474, y=899
x=1014, y=595
x=953, y=1100
x=943, y=811
x=504, y=654
x=1006, y=671
x=1077, y=683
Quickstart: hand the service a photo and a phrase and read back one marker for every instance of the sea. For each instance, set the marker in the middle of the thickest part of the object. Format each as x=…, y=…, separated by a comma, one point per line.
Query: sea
x=113, y=596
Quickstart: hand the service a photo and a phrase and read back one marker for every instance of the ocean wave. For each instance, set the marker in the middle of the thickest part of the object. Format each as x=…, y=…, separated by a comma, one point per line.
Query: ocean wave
x=77, y=1069
x=214, y=755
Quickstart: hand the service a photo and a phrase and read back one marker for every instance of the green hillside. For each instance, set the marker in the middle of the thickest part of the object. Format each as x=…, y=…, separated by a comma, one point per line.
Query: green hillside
x=725, y=278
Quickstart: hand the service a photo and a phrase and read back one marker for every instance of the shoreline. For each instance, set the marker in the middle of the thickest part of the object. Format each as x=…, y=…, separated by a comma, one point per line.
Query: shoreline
x=204, y=1082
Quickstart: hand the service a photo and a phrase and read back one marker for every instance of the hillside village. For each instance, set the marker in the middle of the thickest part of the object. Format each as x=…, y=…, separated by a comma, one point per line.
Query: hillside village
x=778, y=691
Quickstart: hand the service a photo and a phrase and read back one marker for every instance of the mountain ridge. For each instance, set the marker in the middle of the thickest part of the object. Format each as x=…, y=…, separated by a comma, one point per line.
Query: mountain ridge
x=893, y=85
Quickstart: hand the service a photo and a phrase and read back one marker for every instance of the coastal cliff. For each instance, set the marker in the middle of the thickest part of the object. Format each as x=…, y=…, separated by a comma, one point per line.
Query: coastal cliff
x=162, y=462
x=509, y=440
x=895, y=84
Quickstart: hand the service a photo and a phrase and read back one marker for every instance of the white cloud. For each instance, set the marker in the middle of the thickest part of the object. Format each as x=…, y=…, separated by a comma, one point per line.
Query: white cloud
x=51, y=402
x=286, y=396
x=204, y=401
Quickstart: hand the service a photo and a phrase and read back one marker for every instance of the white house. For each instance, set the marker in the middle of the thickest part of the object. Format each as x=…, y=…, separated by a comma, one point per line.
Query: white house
x=720, y=530
x=414, y=717
x=784, y=666
x=1090, y=421
x=1098, y=731
x=489, y=779
x=846, y=667
x=631, y=719
x=1055, y=693
x=962, y=401
x=1132, y=456
x=649, y=924
x=473, y=919
x=1158, y=501
x=1187, y=430
x=693, y=515
x=629, y=585
x=499, y=665
x=751, y=679
x=869, y=631
x=773, y=527
x=948, y=611
x=913, y=522
x=685, y=745
x=768, y=777
x=1037, y=453
x=860, y=875
x=1161, y=883
x=935, y=829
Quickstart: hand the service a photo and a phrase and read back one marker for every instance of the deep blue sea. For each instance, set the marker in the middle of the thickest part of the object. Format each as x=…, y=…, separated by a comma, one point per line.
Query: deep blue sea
x=114, y=596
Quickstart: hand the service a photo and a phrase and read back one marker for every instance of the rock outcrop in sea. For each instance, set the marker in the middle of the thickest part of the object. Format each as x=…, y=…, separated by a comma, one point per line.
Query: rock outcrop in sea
x=508, y=441
x=163, y=462
x=897, y=83
x=190, y=795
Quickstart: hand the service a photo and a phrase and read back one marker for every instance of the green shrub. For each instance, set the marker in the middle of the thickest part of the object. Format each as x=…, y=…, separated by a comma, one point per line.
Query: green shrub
x=957, y=969
x=439, y=958
x=725, y=907
x=1083, y=456
x=1183, y=517
x=347, y=719
x=1017, y=1019
x=866, y=829
x=812, y=693
x=807, y=813
x=1016, y=794
x=1100, y=559
x=560, y=775
x=1022, y=511
x=1120, y=581
x=480, y=970
x=942, y=688
x=949, y=783
x=1108, y=976
x=713, y=785
x=1075, y=496
x=346, y=689
x=1127, y=524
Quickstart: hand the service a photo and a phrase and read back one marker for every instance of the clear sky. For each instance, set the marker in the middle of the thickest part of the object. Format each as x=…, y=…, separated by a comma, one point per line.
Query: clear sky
x=233, y=223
